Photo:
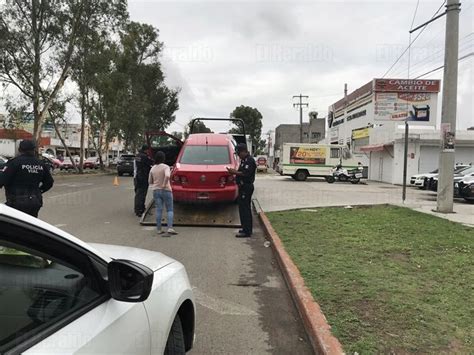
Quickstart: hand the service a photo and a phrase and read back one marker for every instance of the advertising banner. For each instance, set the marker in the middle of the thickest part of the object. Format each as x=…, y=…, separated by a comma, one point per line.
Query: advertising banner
x=307, y=155
x=399, y=106
x=360, y=133
x=407, y=85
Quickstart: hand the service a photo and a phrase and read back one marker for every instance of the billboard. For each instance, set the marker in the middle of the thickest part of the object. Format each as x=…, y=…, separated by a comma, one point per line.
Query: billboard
x=406, y=85
x=307, y=155
x=399, y=106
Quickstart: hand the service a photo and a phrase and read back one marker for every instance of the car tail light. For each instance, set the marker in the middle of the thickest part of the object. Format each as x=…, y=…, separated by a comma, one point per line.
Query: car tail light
x=184, y=179
x=176, y=178
x=230, y=178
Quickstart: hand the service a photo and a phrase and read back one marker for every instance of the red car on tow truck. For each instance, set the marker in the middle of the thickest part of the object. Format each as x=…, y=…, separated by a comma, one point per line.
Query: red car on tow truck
x=199, y=165
x=200, y=172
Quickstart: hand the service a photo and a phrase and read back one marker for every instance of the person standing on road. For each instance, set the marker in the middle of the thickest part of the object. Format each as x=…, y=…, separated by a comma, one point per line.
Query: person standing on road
x=245, y=177
x=142, y=166
x=25, y=179
x=159, y=180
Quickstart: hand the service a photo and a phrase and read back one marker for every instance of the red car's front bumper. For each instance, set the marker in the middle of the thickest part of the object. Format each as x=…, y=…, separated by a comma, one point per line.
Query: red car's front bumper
x=220, y=194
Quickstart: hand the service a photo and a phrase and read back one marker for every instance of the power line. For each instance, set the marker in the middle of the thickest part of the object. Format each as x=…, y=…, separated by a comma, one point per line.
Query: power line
x=442, y=66
x=411, y=42
x=409, y=38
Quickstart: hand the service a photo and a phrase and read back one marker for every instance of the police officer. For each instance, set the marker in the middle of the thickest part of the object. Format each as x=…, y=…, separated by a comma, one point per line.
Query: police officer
x=245, y=177
x=142, y=168
x=25, y=179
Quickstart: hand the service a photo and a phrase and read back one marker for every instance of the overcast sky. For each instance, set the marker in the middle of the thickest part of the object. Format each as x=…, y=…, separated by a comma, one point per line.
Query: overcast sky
x=260, y=53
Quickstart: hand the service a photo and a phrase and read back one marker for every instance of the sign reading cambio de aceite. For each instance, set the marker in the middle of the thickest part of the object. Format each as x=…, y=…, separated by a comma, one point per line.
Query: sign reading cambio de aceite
x=406, y=85
x=403, y=99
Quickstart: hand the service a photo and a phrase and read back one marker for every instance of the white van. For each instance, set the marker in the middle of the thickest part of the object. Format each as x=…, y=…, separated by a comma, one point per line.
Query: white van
x=301, y=160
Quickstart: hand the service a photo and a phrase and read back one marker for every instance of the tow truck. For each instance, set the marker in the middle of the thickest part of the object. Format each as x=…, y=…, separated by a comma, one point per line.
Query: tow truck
x=197, y=213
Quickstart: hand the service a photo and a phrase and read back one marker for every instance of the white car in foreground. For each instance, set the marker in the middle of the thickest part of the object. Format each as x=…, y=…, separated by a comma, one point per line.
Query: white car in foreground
x=59, y=295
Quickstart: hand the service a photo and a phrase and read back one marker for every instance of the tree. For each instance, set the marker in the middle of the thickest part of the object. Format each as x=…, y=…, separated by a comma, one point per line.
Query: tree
x=253, y=123
x=104, y=18
x=37, y=41
x=197, y=127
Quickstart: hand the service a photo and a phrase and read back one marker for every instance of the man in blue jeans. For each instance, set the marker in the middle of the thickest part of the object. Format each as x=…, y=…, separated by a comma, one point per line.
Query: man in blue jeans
x=159, y=180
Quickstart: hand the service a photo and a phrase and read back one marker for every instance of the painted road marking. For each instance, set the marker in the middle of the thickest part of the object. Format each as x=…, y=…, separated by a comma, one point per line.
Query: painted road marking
x=78, y=184
x=221, y=306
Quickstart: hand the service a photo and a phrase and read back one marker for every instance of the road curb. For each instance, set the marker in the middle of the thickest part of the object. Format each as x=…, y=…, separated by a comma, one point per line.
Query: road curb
x=314, y=321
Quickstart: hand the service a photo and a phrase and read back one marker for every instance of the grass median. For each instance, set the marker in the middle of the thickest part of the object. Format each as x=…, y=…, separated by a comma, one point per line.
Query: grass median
x=388, y=279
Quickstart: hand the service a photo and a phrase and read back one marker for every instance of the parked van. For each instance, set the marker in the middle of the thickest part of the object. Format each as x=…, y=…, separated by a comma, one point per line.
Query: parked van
x=262, y=163
x=301, y=160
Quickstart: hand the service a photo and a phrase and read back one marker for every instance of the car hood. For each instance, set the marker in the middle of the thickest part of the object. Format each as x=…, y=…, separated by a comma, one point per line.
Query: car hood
x=152, y=259
x=418, y=176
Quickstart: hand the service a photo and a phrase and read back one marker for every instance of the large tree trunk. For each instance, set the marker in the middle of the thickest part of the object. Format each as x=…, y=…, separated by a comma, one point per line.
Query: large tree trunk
x=83, y=128
x=63, y=142
x=35, y=6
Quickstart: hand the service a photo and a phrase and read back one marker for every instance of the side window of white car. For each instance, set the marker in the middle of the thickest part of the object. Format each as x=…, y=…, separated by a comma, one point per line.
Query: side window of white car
x=38, y=290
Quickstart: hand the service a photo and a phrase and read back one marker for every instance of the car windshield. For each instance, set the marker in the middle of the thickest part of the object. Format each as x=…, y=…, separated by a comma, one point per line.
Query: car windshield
x=206, y=155
x=459, y=169
x=435, y=171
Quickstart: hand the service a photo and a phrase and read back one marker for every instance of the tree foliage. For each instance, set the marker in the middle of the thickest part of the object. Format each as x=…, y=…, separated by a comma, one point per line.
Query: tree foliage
x=253, y=123
x=197, y=127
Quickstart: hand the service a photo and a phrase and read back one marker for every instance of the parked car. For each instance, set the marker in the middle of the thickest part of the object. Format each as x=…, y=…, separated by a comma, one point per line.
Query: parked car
x=66, y=164
x=125, y=164
x=465, y=188
x=91, y=163
x=459, y=173
x=110, y=299
x=262, y=163
x=421, y=180
x=200, y=172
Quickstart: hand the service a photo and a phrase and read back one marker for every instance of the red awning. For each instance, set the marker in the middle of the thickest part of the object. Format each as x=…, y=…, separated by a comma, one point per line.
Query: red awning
x=373, y=148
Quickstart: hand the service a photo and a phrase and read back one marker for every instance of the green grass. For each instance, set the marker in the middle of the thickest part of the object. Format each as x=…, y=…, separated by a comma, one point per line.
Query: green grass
x=388, y=279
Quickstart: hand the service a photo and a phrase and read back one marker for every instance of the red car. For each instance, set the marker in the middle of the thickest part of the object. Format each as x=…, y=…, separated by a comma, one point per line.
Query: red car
x=91, y=163
x=200, y=172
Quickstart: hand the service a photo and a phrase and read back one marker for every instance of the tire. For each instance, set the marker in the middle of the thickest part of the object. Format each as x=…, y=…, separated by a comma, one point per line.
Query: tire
x=301, y=175
x=330, y=179
x=355, y=181
x=175, y=343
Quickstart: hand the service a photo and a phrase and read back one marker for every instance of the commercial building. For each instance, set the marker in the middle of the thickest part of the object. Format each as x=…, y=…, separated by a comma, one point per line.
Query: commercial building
x=371, y=119
x=313, y=132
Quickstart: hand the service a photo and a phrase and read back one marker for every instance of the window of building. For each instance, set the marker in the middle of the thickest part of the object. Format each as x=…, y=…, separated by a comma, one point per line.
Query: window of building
x=305, y=134
x=316, y=135
x=335, y=153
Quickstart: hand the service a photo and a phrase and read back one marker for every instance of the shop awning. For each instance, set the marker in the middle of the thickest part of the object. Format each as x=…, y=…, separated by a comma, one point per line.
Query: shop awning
x=373, y=147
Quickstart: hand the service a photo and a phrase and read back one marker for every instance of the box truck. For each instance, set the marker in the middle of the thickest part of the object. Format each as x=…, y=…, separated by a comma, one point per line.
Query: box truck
x=301, y=160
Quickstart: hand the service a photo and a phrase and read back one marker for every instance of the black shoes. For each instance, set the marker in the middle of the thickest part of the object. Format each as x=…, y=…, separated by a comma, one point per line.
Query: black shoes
x=242, y=235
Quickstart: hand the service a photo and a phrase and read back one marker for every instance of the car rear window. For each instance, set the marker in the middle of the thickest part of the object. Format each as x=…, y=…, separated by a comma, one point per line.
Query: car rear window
x=206, y=155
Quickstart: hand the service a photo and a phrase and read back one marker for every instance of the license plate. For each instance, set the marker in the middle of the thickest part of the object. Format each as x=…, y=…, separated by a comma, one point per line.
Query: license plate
x=203, y=196
x=358, y=176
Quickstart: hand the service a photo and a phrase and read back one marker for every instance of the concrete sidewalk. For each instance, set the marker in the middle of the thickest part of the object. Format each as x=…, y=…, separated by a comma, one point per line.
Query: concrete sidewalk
x=276, y=193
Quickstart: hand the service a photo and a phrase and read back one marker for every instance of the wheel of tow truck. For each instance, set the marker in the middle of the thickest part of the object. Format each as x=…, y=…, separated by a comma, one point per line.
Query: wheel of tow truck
x=355, y=181
x=330, y=179
x=301, y=175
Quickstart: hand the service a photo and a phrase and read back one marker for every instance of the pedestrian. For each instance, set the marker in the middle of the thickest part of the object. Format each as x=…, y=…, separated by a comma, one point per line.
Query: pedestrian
x=142, y=166
x=159, y=180
x=25, y=179
x=245, y=177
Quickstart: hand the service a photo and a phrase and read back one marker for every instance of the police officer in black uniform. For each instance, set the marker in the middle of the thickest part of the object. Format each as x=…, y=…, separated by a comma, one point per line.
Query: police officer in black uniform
x=143, y=165
x=245, y=177
x=25, y=179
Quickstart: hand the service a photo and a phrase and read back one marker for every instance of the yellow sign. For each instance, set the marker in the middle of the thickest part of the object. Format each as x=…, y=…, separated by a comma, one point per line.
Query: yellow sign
x=360, y=133
x=307, y=155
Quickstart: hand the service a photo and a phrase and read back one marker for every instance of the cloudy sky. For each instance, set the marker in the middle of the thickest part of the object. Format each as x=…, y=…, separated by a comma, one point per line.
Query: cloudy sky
x=260, y=53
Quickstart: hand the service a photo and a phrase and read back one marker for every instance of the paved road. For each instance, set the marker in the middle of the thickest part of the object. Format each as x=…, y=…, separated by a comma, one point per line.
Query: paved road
x=244, y=306
x=275, y=192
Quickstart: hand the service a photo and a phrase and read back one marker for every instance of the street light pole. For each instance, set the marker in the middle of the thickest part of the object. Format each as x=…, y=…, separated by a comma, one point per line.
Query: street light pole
x=301, y=104
x=448, y=110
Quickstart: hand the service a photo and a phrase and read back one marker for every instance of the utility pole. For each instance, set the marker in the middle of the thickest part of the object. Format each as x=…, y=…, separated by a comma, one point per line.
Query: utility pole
x=301, y=104
x=448, y=110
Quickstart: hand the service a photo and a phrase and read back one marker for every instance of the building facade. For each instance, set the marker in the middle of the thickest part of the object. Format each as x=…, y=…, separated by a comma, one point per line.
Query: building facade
x=371, y=120
x=313, y=132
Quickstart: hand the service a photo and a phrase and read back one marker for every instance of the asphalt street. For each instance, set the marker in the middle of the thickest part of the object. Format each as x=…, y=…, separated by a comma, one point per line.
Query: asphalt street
x=244, y=306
